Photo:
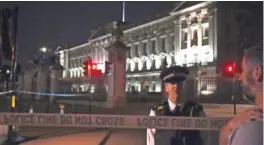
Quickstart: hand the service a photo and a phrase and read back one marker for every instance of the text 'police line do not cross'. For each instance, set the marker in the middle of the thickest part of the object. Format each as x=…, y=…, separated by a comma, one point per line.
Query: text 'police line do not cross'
x=113, y=121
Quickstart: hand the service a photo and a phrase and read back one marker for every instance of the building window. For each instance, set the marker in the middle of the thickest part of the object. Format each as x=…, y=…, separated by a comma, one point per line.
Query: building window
x=206, y=86
x=101, y=53
x=145, y=48
x=184, y=39
x=194, y=34
x=194, y=40
x=162, y=41
x=72, y=63
x=129, y=52
x=205, y=19
x=172, y=42
x=153, y=87
x=184, y=24
x=153, y=46
x=128, y=55
x=136, y=50
x=75, y=63
x=205, y=34
x=79, y=62
x=194, y=21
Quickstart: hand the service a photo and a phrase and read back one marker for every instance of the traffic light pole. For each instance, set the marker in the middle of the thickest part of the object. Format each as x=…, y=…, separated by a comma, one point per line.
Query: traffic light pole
x=234, y=94
x=14, y=55
x=13, y=72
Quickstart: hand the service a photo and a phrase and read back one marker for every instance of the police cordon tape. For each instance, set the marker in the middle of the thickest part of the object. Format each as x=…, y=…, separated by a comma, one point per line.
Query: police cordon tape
x=45, y=94
x=7, y=92
x=53, y=94
x=112, y=121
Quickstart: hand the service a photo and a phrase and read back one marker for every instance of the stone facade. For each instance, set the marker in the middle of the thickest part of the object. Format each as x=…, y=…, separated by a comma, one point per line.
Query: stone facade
x=202, y=37
x=40, y=78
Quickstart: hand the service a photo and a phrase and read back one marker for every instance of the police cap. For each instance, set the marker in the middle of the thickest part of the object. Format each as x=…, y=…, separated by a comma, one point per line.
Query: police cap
x=174, y=74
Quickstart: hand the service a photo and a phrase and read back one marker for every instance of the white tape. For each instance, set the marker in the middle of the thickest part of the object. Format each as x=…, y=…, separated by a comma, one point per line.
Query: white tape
x=112, y=121
x=7, y=92
x=55, y=94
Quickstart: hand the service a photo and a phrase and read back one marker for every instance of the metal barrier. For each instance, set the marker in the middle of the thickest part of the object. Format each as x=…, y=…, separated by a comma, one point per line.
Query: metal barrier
x=25, y=102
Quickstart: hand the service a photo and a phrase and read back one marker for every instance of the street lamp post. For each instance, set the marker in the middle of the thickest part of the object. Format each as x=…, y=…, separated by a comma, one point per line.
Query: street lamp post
x=44, y=51
x=234, y=95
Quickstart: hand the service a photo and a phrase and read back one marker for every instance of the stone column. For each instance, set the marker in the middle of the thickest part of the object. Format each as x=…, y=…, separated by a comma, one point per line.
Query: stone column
x=177, y=37
x=157, y=45
x=213, y=31
x=55, y=74
x=117, y=81
x=189, y=35
x=42, y=81
x=149, y=47
x=140, y=53
x=200, y=30
x=66, y=61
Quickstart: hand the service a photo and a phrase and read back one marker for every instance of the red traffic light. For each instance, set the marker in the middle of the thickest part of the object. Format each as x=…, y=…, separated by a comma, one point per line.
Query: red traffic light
x=91, y=69
x=229, y=69
x=85, y=68
x=94, y=66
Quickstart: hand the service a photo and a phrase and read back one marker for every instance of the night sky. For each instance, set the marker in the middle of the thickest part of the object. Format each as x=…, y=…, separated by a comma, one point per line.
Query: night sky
x=58, y=23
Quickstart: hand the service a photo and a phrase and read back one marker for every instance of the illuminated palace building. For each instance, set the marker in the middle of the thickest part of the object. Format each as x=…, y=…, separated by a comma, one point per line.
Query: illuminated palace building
x=201, y=36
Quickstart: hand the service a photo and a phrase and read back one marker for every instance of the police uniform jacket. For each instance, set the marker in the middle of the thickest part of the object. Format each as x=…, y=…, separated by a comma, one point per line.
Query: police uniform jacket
x=152, y=131
x=175, y=74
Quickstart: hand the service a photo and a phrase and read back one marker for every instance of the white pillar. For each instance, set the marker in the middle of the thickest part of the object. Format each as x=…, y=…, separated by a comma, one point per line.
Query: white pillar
x=177, y=38
x=189, y=38
x=200, y=30
x=167, y=43
x=213, y=31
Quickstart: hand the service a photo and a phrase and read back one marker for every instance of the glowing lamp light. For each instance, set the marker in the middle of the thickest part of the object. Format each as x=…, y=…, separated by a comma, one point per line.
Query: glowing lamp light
x=230, y=69
x=94, y=67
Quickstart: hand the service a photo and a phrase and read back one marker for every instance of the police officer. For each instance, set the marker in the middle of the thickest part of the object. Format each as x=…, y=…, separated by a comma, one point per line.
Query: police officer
x=173, y=78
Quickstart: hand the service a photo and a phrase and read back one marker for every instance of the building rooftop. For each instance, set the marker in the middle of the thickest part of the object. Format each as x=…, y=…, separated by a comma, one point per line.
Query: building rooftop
x=179, y=5
x=106, y=29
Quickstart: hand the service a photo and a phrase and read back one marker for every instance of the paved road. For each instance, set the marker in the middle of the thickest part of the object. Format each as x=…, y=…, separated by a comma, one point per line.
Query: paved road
x=88, y=138
x=127, y=137
x=33, y=131
x=49, y=131
x=106, y=137
x=99, y=137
